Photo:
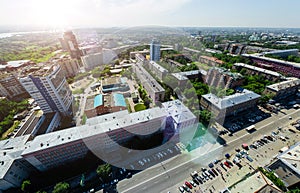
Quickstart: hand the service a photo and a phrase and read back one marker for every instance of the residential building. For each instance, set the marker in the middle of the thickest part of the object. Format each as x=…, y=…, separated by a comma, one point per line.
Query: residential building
x=93, y=60
x=284, y=67
x=159, y=71
x=90, y=49
x=183, y=77
x=282, y=53
x=155, y=50
x=11, y=88
x=50, y=90
x=211, y=61
x=223, y=78
x=140, y=59
x=69, y=66
x=287, y=166
x=229, y=105
x=153, y=88
x=254, y=70
x=283, y=89
x=69, y=43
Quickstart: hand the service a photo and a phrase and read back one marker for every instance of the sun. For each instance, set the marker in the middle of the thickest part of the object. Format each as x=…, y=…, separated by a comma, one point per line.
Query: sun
x=51, y=13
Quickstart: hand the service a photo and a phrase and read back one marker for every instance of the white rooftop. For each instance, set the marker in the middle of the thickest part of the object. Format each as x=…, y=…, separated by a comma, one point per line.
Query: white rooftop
x=285, y=84
x=232, y=100
x=178, y=111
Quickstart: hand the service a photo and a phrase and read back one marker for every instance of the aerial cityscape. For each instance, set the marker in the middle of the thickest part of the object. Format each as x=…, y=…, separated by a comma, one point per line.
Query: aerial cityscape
x=149, y=96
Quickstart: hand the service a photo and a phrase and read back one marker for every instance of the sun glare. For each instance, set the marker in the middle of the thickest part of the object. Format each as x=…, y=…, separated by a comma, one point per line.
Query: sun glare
x=51, y=13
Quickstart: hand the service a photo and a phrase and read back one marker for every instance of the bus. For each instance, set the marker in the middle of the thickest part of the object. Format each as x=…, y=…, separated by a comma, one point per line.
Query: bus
x=251, y=129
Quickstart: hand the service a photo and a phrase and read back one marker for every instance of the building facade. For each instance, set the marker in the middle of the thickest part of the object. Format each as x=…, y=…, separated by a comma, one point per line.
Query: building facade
x=93, y=60
x=158, y=70
x=222, y=78
x=70, y=66
x=155, y=91
x=50, y=90
x=155, y=50
x=283, y=89
x=10, y=87
x=229, y=105
x=69, y=43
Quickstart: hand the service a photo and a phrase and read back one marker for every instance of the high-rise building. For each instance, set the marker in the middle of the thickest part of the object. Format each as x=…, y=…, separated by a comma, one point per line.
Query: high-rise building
x=155, y=50
x=69, y=66
x=69, y=43
x=49, y=88
x=10, y=87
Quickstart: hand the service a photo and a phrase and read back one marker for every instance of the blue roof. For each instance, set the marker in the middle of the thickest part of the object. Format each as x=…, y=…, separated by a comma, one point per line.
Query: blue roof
x=98, y=100
x=119, y=100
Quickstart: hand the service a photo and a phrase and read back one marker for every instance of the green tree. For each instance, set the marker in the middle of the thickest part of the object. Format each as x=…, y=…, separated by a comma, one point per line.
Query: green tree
x=25, y=185
x=61, y=187
x=103, y=171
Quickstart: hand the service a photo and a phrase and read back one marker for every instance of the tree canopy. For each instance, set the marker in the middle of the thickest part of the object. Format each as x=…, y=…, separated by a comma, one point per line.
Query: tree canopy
x=103, y=171
x=61, y=187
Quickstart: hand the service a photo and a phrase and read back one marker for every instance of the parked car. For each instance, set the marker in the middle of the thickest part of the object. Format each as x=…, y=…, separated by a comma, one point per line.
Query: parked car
x=188, y=184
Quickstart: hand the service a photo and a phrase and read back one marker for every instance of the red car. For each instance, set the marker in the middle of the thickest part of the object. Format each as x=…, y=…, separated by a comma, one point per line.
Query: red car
x=188, y=185
x=227, y=164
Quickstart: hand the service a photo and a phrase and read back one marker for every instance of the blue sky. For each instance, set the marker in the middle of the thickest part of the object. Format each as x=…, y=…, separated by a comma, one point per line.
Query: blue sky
x=106, y=13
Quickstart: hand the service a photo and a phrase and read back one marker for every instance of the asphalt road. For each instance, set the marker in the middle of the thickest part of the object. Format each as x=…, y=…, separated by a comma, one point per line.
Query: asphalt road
x=161, y=177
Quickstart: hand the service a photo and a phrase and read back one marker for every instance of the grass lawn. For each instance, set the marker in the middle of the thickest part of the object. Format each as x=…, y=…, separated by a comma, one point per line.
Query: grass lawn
x=78, y=91
x=202, y=66
x=139, y=107
x=11, y=129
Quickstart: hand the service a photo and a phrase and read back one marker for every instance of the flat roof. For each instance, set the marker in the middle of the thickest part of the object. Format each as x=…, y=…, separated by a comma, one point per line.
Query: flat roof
x=94, y=126
x=119, y=100
x=257, y=182
x=270, y=72
x=157, y=66
x=178, y=111
x=11, y=149
x=98, y=100
x=232, y=100
x=291, y=82
x=257, y=56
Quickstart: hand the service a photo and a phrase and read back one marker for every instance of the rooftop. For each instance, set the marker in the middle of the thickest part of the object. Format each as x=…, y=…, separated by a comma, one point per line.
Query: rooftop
x=257, y=182
x=232, y=100
x=291, y=82
x=258, y=56
x=270, y=72
x=178, y=111
x=119, y=100
x=94, y=126
x=98, y=100
x=10, y=150
x=157, y=66
x=14, y=64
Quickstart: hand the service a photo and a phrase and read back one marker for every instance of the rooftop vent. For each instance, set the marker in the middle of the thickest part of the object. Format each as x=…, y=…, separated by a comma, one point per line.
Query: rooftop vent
x=42, y=144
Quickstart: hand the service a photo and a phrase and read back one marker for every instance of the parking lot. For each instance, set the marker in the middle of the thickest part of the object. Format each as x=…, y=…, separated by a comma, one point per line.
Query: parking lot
x=242, y=161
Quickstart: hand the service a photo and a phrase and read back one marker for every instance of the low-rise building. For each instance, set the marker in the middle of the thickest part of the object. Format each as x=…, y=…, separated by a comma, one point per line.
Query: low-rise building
x=183, y=77
x=223, y=78
x=211, y=61
x=254, y=70
x=287, y=166
x=103, y=104
x=153, y=88
x=229, y=105
x=283, y=89
x=11, y=88
x=158, y=70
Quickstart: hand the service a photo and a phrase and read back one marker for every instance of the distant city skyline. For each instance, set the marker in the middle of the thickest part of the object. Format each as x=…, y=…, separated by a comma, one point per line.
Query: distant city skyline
x=110, y=13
